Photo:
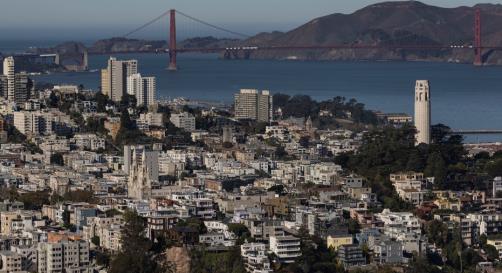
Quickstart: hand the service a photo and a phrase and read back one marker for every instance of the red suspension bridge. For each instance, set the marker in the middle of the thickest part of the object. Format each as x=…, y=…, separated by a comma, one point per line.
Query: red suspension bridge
x=173, y=49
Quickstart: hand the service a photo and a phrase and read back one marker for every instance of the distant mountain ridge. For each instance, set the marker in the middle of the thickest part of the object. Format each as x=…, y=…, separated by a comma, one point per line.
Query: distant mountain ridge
x=390, y=23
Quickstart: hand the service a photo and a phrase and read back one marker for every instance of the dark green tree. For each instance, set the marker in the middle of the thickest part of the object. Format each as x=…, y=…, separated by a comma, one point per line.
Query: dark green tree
x=304, y=141
x=436, y=167
x=96, y=240
x=101, y=102
x=280, y=152
x=135, y=255
x=79, y=196
x=57, y=159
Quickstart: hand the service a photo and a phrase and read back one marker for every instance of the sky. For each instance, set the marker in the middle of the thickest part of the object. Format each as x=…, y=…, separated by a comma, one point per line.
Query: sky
x=94, y=19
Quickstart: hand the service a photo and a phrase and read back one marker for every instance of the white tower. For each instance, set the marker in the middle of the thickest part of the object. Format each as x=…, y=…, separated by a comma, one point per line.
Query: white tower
x=143, y=88
x=423, y=112
x=8, y=71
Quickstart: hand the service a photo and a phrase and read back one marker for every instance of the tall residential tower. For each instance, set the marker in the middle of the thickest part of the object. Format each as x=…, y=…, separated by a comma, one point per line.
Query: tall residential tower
x=253, y=105
x=14, y=87
x=114, y=78
x=8, y=71
x=143, y=88
x=422, y=112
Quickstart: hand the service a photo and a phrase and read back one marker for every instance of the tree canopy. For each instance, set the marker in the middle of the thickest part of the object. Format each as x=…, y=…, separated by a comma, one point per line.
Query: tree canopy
x=135, y=255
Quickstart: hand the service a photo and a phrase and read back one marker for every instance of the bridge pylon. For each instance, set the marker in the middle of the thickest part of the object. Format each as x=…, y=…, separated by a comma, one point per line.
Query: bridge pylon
x=173, y=66
x=478, y=49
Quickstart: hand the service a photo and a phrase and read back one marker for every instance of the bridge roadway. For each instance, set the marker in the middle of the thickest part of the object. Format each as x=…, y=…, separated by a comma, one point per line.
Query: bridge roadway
x=331, y=47
x=476, y=132
x=307, y=47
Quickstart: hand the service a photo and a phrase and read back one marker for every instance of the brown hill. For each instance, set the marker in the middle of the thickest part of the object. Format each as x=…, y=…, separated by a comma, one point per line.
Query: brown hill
x=391, y=23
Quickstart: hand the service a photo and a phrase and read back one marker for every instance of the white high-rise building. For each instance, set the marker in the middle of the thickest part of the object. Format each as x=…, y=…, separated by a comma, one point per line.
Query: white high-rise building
x=423, y=112
x=8, y=71
x=253, y=105
x=143, y=88
x=114, y=77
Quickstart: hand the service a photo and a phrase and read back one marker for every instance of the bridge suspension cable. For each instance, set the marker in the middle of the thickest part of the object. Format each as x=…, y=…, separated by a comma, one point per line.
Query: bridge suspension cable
x=212, y=26
x=146, y=24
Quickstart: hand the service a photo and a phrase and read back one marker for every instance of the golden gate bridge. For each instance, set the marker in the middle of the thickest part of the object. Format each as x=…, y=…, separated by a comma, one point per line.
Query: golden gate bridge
x=173, y=49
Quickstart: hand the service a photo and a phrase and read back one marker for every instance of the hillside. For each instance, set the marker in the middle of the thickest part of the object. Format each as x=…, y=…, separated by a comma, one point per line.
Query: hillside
x=390, y=23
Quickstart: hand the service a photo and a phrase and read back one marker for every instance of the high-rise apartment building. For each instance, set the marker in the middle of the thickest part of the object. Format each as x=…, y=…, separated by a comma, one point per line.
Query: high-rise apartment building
x=143, y=88
x=253, y=105
x=422, y=112
x=9, y=73
x=143, y=169
x=106, y=82
x=21, y=88
x=114, y=77
x=14, y=87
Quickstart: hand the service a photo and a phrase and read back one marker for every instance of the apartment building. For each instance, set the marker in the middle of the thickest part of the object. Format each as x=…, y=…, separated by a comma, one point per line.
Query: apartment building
x=254, y=105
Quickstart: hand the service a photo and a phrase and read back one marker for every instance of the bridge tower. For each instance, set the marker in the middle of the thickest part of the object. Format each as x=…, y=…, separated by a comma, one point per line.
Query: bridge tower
x=478, y=50
x=172, y=42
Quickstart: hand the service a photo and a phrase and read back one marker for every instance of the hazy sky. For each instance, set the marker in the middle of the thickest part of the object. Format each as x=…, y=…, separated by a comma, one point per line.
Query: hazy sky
x=90, y=19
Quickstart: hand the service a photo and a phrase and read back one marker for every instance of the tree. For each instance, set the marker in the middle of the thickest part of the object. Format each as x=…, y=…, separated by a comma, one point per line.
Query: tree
x=78, y=118
x=128, y=132
x=437, y=232
x=436, y=167
x=57, y=159
x=53, y=100
x=193, y=222
x=125, y=120
x=34, y=200
x=66, y=218
x=79, y=196
x=278, y=189
x=128, y=101
x=491, y=252
x=353, y=226
x=96, y=126
x=439, y=133
x=241, y=231
x=203, y=261
x=415, y=162
x=102, y=258
x=135, y=255
x=280, y=152
x=112, y=212
x=304, y=141
x=101, y=101
x=96, y=240
x=280, y=100
x=8, y=193
x=13, y=134
x=421, y=265
x=494, y=167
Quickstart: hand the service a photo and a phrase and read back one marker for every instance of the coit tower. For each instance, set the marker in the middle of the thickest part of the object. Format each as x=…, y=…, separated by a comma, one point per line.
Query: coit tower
x=422, y=112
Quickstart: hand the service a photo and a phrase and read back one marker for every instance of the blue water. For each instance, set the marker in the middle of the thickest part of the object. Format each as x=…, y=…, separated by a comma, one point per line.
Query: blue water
x=463, y=96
